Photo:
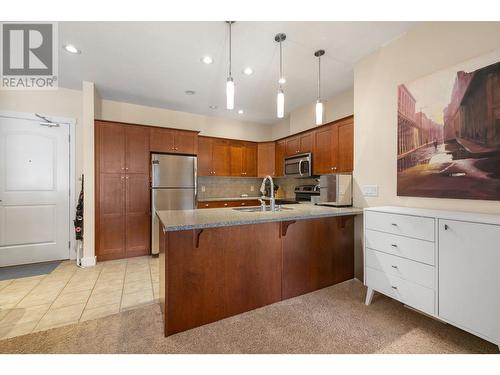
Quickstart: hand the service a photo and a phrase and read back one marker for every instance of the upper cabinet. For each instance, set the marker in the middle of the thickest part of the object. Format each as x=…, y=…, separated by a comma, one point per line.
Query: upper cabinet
x=224, y=157
x=173, y=141
x=299, y=144
x=279, y=157
x=333, y=148
x=266, y=159
x=346, y=145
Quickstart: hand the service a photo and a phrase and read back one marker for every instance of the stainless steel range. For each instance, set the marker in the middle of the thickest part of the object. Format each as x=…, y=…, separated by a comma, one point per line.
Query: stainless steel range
x=304, y=193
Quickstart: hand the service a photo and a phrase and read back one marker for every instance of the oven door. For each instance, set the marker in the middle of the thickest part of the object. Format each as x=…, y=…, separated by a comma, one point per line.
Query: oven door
x=298, y=166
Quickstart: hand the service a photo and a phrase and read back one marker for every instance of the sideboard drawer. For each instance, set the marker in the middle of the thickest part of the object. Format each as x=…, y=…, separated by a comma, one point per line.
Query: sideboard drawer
x=411, y=294
x=410, y=270
x=410, y=248
x=404, y=225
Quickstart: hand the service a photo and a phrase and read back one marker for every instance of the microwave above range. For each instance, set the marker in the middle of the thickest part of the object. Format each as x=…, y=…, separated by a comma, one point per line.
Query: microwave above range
x=298, y=165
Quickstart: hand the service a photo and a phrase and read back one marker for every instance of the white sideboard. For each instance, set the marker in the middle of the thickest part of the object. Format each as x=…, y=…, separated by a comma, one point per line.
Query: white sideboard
x=443, y=263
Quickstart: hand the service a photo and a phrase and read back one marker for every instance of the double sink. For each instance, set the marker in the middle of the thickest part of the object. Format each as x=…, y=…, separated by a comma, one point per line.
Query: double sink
x=260, y=209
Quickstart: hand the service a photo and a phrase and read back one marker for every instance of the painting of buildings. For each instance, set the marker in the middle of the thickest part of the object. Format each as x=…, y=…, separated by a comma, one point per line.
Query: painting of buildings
x=449, y=133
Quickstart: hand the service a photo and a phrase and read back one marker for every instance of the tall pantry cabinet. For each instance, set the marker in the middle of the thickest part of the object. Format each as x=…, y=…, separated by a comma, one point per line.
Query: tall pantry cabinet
x=122, y=190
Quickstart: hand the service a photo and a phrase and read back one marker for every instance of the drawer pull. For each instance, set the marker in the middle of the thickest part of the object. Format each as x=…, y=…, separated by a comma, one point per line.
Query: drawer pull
x=394, y=245
x=394, y=287
x=393, y=266
x=394, y=224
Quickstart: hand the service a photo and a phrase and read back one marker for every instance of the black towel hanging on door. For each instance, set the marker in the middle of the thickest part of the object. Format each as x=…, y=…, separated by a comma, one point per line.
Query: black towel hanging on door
x=78, y=222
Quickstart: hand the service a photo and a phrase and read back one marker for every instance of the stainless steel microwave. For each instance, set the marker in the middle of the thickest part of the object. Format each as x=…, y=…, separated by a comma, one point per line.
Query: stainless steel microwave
x=298, y=165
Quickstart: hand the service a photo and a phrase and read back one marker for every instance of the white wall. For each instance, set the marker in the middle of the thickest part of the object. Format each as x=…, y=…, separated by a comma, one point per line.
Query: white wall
x=426, y=49
x=88, y=112
x=212, y=126
x=58, y=103
x=303, y=118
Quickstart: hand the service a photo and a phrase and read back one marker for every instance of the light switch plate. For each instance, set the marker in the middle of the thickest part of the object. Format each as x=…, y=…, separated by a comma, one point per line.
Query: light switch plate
x=370, y=190
x=202, y=188
x=251, y=188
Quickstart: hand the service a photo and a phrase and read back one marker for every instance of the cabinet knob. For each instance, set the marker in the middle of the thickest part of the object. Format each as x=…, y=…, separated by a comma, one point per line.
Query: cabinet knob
x=123, y=168
x=225, y=204
x=206, y=205
x=123, y=178
x=126, y=169
x=126, y=177
x=243, y=203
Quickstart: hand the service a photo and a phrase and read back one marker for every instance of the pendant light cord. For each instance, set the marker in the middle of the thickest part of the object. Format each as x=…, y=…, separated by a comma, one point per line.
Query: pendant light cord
x=281, y=62
x=319, y=77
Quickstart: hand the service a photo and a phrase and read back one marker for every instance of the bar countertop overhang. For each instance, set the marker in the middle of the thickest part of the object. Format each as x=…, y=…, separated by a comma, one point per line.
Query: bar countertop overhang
x=222, y=217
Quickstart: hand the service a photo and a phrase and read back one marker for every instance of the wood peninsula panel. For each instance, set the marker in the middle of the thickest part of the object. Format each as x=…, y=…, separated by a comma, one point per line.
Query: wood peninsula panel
x=214, y=273
x=210, y=274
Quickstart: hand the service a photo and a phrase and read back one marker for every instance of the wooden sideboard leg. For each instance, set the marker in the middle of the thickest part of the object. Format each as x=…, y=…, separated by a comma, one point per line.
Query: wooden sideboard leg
x=369, y=296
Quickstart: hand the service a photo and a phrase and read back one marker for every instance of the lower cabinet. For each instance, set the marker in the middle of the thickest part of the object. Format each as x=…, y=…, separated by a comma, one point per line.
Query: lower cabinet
x=222, y=204
x=469, y=276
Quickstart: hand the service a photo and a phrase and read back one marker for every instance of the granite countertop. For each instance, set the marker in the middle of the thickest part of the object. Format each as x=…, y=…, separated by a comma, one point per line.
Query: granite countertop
x=222, y=217
x=227, y=199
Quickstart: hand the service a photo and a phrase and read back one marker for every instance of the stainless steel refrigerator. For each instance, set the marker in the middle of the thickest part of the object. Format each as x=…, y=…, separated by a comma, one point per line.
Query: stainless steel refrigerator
x=173, y=187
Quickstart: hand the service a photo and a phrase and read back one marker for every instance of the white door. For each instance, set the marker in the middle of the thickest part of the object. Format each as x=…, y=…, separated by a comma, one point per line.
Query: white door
x=34, y=191
x=469, y=276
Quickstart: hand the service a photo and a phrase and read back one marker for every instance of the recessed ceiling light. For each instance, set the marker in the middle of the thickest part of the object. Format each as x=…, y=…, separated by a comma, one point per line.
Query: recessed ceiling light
x=189, y=92
x=212, y=107
x=240, y=112
x=207, y=60
x=72, y=49
x=248, y=71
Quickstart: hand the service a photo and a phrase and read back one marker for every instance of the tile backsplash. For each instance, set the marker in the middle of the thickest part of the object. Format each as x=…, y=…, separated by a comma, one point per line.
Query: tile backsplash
x=232, y=187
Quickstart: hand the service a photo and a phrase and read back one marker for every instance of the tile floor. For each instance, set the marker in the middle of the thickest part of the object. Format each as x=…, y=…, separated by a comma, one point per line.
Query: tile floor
x=70, y=294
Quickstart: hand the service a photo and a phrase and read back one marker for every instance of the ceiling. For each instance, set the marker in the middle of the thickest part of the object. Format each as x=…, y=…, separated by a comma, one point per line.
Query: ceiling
x=154, y=63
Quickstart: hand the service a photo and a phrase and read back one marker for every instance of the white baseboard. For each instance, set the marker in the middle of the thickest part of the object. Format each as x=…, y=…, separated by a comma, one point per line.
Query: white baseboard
x=88, y=261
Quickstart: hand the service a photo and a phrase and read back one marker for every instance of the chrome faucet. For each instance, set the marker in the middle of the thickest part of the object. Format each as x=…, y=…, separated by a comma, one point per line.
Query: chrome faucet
x=263, y=191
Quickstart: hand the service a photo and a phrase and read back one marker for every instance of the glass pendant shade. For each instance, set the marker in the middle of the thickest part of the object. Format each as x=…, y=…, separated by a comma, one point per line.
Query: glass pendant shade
x=230, y=93
x=280, y=104
x=319, y=112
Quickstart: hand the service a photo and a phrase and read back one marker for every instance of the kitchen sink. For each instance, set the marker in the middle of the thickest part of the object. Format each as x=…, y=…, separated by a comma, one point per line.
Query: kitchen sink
x=259, y=209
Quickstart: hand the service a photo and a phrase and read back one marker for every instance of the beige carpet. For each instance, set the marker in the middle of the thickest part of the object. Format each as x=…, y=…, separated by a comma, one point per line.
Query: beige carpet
x=331, y=320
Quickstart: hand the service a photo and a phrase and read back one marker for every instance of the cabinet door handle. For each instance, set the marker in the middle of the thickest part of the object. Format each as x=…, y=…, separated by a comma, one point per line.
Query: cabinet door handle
x=446, y=227
x=394, y=287
x=394, y=245
x=394, y=224
x=393, y=266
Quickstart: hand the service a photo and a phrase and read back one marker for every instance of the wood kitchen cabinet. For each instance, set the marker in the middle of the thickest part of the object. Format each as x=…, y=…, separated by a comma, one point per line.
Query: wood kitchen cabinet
x=243, y=159
x=266, y=159
x=228, y=203
x=225, y=157
x=299, y=144
x=173, y=141
x=122, y=190
x=333, y=148
x=213, y=157
x=279, y=157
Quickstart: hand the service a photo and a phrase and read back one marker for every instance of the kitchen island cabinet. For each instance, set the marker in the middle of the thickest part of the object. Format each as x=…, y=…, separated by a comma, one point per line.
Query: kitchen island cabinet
x=215, y=263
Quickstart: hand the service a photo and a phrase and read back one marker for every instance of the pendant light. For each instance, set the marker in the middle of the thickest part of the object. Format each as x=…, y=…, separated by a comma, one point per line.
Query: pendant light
x=319, y=103
x=280, y=98
x=230, y=81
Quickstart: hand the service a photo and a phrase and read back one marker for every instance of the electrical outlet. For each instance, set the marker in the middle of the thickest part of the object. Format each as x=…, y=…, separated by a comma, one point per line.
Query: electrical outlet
x=370, y=190
x=252, y=188
x=202, y=189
